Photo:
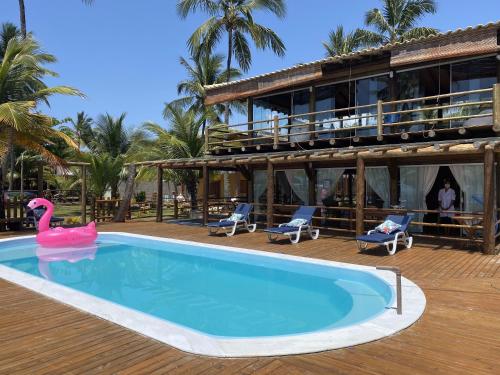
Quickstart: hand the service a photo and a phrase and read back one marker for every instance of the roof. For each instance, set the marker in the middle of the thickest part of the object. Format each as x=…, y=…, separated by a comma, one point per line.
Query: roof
x=360, y=53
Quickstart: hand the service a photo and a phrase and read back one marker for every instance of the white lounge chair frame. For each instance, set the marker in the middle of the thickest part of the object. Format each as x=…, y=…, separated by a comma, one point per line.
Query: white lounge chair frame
x=313, y=233
x=249, y=227
x=392, y=245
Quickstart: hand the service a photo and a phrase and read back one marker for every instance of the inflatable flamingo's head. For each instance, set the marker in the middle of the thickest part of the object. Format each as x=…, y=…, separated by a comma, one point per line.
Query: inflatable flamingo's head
x=38, y=202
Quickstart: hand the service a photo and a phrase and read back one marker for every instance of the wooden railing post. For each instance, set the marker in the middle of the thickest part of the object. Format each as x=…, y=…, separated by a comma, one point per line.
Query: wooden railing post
x=206, y=185
x=92, y=208
x=276, y=123
x=489, y=209
x=159, y=196
x=176, y=205
x=380, y=120
x=83, y=203
x=496, y=107
x=270, y=194
x=360, y=195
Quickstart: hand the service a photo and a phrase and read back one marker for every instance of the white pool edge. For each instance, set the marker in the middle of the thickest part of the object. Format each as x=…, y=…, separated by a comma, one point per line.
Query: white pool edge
x=185, y=339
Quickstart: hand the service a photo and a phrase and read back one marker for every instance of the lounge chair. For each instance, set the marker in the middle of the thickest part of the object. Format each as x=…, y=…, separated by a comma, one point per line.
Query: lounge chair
x=390, y=240
x=293, y=229
x=243, y=210
x=34, y=216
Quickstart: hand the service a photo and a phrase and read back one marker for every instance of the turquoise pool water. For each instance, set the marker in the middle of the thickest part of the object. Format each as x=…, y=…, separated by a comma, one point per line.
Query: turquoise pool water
x=214, y=291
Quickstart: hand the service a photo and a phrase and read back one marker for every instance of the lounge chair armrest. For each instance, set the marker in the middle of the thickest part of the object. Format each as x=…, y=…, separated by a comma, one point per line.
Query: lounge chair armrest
x=371, y=231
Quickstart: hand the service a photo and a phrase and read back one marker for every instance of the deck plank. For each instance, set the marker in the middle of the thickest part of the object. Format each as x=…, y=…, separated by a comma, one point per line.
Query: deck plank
x=458, y=333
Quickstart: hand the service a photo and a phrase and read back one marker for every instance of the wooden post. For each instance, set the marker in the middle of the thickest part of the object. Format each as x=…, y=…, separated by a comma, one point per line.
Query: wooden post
x=176, y=205
x=496, y=107
x=489, y=201
x=380, y=120
x=312, y=108
x=250, y=119
x=360, y=195
x=83, y=197
x=311, y=178
x=92, y=208
x=206, y=185
x=276, y=131
x=250, y=197
x=159, y=194
x=270, y=194
x=393, y=173
x=40, y=179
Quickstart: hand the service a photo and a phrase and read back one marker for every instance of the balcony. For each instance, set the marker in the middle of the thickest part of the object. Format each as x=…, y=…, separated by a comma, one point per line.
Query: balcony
x=448, y=116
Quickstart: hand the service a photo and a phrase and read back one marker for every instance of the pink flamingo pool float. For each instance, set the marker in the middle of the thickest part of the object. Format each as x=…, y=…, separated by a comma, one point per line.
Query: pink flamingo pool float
x=60, y=237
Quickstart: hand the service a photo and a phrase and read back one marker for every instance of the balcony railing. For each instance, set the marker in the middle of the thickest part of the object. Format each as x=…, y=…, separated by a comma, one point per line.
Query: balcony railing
x=457, y=112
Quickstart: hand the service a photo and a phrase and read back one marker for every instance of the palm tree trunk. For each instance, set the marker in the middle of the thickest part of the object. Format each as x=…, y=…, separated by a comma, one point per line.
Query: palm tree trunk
x=127, y=195
x=228, y=67
x=193, y=190
x=12, y=157
x=203, y=126
x=22, y=16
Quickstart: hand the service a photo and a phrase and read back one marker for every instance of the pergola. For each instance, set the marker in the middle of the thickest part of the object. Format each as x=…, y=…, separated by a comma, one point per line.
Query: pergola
x=483, y=150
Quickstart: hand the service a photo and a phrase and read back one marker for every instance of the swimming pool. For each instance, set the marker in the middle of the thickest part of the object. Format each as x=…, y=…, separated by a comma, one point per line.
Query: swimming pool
x=216, y=300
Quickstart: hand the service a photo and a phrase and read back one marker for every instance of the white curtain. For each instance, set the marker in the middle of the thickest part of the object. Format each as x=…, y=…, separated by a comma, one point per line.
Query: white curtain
x=259, y=186
x=416, y=182
x=298, y=180
x=326, y=182
x=380, y=181
x=470, y=178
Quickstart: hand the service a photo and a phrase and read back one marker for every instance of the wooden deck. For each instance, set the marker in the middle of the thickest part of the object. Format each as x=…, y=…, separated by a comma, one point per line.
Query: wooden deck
x=458, y=334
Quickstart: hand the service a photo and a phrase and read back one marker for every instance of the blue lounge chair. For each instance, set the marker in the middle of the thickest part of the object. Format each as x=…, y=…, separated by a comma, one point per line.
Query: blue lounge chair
x=293, y=231
x=34, y=216
x=243, y=209
x=389, y=240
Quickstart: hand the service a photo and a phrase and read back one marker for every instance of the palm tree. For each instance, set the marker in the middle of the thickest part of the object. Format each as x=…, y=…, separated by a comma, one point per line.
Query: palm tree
x=105, y=172
x=9, y=31
x=205, y=69
x=22, y=15
x=110, y=135
x=396, y=21
x=234, y=17
x=21, y=89
x=81, y=129
x=340, y=43
x=181, y=140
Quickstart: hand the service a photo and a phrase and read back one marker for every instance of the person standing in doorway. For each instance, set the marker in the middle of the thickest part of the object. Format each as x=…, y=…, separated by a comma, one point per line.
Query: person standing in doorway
x=446, y=199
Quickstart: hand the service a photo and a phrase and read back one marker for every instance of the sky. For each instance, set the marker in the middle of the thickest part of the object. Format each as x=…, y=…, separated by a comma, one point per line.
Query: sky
x=124, y=55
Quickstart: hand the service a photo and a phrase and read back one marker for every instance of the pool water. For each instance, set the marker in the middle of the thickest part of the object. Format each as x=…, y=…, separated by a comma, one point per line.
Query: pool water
x=218, y=292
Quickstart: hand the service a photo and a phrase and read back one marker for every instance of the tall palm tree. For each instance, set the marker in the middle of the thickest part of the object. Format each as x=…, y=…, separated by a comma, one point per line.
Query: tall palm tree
x=341, y=43
x=234, y=17
x=22, y=15
x=110, y=135
x=205, y=69
x=181, y=140
x=21, y=89
x=396, y=21
x=80, y=129
x=8, y=31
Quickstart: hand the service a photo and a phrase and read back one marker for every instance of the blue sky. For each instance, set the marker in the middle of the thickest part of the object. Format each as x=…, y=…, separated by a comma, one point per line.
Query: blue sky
x=125, y=57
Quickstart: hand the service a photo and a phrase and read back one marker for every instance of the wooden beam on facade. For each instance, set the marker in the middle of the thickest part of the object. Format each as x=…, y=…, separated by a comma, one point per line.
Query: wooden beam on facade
x=270, y=194
x=159, y=194
x=489, y=209
x=393, y=175
x=360, y=195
